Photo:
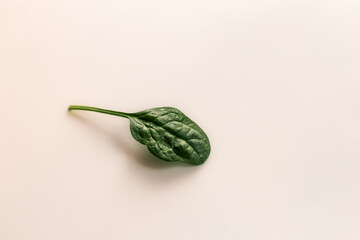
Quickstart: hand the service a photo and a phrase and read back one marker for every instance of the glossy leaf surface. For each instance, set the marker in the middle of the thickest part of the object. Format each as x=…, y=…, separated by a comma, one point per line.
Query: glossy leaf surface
x=167, y=132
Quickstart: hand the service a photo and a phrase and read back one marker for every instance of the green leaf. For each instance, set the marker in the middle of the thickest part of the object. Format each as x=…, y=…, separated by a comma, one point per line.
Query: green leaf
x=167, y=132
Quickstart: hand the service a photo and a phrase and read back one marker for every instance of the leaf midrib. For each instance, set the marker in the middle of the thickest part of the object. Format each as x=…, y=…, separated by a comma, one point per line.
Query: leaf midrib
x=152, y=123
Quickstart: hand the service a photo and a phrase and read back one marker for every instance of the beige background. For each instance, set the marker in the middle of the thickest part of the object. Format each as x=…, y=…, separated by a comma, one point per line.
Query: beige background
x=275, y=84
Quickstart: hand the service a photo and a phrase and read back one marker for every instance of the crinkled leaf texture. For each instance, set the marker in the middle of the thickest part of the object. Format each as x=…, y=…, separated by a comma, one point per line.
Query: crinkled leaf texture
x=170, y=135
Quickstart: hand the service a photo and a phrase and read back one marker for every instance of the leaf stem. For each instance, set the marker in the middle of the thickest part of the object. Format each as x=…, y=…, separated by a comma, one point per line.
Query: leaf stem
x=99, y=110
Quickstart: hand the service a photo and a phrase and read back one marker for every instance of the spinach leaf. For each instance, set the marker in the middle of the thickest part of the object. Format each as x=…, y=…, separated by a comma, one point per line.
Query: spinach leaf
x=167, y=132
